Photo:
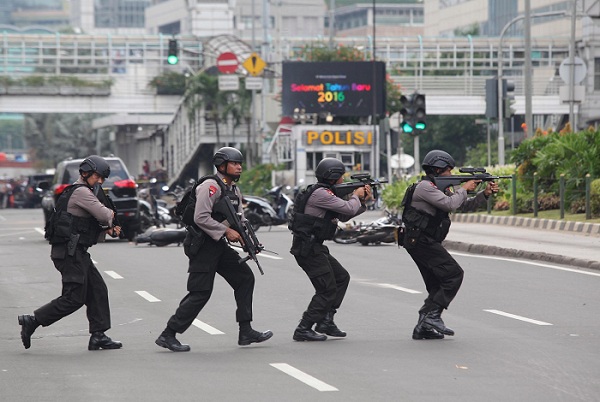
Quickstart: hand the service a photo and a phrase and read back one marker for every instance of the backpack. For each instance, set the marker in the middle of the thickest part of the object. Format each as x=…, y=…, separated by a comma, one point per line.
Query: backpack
x=58, y=225
x=184, y=210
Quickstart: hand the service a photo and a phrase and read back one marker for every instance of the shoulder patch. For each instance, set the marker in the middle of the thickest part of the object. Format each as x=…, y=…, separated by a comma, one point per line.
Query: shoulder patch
x=211, y=191
x=330, y=192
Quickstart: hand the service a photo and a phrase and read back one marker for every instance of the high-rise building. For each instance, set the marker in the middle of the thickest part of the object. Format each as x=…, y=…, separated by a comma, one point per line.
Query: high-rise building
x=51, y=14
x=489, y=17
x=109, y=16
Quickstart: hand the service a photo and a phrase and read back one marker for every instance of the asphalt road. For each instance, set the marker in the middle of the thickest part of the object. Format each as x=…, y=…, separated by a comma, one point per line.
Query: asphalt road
x=525, y=331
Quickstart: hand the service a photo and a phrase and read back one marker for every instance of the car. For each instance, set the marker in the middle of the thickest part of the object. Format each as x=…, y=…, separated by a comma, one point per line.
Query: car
x=32, y=197
x=120, y=186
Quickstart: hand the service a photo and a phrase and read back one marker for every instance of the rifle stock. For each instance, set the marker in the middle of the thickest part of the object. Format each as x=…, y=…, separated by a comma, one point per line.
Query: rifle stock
x=343, y=189
x=443, y=182
x=251, y=244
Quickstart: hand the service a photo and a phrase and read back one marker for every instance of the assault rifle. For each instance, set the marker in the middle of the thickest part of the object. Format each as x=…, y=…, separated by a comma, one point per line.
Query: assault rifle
x=108, y=202
x=343, y=189
x=443, y=182
x=251, y=244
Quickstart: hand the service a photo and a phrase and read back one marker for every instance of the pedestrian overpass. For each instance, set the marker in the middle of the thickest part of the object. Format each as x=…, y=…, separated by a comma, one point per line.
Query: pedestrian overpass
x=36, y=69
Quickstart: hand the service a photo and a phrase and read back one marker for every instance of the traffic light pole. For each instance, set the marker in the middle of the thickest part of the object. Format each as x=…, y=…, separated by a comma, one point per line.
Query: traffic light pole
x=501, y=159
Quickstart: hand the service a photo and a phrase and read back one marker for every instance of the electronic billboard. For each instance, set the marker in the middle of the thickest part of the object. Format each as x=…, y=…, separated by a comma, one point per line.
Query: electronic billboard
x=340, y=88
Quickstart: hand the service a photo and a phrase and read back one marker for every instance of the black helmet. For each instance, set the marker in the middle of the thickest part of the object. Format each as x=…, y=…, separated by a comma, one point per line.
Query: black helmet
x=95, y=163
x=330, y=169
x=227, y=154
x=438, y=159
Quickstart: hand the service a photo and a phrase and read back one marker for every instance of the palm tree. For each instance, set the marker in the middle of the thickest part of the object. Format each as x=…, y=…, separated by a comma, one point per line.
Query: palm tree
x=202, y=90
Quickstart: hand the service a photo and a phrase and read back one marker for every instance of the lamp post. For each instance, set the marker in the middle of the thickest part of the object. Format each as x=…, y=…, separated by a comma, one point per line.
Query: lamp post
x=501, y=159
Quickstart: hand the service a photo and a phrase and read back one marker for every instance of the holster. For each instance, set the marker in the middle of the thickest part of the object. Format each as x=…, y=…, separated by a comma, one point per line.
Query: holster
x=193, y=241
x=72, y=244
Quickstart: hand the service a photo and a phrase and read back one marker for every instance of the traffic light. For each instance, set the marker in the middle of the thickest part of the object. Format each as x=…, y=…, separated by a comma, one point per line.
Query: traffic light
x=407, y=114
x=414, y=114
x=508, y=99
x=173, y=55
x=420, y=112
x=491, y=98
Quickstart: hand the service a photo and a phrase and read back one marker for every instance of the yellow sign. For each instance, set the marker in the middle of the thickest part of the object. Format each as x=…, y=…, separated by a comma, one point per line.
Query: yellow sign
x=349, y=137
x=254, y=64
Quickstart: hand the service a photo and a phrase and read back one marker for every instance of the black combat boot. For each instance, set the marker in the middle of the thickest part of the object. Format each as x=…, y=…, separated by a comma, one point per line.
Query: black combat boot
x=328, y=327
x=304, y=332
x=252, y=336
x=99, y=340
x=28, y=325
x=421, y=332
x=167, y=340
x=433, y=320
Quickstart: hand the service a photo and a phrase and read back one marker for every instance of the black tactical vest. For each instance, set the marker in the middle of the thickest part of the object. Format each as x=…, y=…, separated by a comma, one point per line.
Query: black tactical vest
x=435, y=226
x=309, y=226
x=62, y=224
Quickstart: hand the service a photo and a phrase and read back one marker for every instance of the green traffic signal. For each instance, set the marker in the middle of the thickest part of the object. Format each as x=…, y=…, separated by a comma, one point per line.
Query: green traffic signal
x=172, y=59
x=407, y=128
x=420, y=126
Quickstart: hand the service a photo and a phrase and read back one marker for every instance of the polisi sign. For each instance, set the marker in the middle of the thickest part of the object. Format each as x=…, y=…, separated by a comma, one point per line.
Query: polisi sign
x=341, y=137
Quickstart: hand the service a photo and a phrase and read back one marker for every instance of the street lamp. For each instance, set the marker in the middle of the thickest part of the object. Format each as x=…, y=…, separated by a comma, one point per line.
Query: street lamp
x=501, y=159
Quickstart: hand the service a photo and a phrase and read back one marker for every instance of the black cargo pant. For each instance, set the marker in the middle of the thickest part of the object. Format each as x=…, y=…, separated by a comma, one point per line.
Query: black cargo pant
x=82, y=284
x=329, y=278
x=214, y=258
x=441, y=273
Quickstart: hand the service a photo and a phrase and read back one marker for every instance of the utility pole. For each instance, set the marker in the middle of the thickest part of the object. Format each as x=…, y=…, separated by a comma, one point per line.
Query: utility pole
x=528, y=72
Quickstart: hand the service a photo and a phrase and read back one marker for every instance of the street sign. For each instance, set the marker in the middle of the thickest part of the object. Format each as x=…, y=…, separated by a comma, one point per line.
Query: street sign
x=254, y=64
x=565, y=70
x=227, y=63
x=229, y=83
x=254, y=83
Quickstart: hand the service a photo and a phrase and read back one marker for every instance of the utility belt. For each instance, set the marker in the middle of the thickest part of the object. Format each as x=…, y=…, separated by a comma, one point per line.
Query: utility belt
x=420, y=223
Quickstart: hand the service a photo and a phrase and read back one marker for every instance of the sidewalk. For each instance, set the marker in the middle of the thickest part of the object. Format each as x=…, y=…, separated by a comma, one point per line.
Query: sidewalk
x=559, y=242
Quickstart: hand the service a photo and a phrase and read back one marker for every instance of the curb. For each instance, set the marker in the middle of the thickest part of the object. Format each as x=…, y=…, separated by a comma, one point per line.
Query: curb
x=529, y=255
x=585, y=228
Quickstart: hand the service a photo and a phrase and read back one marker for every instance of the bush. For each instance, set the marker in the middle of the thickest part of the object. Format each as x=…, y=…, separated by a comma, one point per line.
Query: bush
x=548, y=202
x=393, y=194
x=595, y=197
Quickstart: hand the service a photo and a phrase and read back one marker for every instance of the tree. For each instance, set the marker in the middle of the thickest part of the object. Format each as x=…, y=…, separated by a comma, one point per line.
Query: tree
x=202, y=90
x=69, y=134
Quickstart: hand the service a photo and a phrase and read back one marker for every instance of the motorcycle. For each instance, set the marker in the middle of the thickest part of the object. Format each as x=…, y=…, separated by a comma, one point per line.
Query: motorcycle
x=381, y=230
x=271, y=211
x=161, y=237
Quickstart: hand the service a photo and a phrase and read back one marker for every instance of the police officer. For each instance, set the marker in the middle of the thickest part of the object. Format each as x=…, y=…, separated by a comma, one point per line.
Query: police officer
x=427, y=223
x=75, y=225
x=316, y=212
x=209, y=254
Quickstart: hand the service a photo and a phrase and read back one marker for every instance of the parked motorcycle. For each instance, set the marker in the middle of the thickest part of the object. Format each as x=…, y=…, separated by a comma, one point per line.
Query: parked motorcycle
x=161, y=237
x=381, y=230
x=272, y=210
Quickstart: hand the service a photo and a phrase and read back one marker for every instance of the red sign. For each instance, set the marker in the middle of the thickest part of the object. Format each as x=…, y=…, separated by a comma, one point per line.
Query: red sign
x=227, y=63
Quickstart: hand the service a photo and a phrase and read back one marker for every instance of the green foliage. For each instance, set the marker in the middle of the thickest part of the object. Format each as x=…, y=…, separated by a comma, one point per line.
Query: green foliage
x=478, y=155
x=595, y=196
x=453, y=134
x=319, y=51
x=393, y=194
x=169, y=83
x=571, y=154
x=69, y=135
x=258, y=179
x=54, y=81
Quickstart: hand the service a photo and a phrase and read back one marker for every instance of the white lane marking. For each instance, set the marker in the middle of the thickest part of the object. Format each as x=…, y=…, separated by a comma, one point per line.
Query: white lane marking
x=517, y=317
x=147, y=296
x=539, y=264
x=302, y=376
x=40, y=231
x=386, y=286
x=2, y=218
x=206, y=328
x=113, y=274
x=273, y=257
x=400, y=288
